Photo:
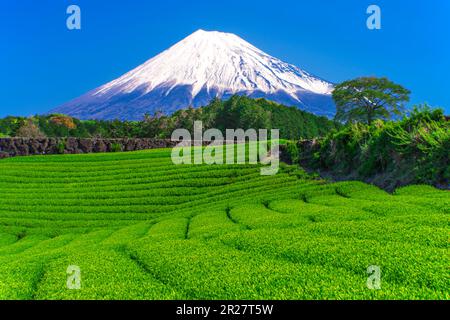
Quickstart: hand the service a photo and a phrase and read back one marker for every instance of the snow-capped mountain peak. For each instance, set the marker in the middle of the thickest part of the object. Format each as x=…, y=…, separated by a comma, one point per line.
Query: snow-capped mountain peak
x=204, y=65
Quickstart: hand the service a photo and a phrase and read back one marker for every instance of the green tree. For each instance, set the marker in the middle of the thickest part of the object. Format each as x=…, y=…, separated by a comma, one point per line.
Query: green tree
x=368, y=98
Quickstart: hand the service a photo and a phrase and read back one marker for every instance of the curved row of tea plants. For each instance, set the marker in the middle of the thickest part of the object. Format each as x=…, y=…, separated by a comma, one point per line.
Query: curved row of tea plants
x=139, y=227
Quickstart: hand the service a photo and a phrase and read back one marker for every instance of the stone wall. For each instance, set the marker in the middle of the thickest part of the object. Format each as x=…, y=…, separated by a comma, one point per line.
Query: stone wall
x=10, y=147
x=13, y=147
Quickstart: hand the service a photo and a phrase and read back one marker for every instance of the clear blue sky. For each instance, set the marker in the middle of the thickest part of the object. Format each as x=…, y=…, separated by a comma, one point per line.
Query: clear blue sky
x=43, y=64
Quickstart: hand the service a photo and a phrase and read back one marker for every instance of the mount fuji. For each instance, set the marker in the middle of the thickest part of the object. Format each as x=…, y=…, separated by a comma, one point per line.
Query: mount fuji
x=203, y=66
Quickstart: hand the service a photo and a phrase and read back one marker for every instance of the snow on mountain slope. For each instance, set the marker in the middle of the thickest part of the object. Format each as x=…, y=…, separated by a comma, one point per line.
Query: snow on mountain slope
x=197, y=69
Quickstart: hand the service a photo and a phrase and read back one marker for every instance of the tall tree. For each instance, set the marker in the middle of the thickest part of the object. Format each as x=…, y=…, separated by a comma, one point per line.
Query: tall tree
x=368, y=98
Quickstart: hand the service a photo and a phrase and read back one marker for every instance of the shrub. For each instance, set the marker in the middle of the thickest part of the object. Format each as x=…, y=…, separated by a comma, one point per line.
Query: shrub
x=412, y=150
x=61, y=147
x=292, y=151
x=116, y=147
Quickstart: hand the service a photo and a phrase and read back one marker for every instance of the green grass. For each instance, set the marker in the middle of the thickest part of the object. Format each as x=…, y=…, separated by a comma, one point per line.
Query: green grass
x=140, y=227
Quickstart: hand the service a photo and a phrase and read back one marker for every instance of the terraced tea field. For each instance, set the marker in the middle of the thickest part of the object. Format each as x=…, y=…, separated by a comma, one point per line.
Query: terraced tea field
x=139, y=227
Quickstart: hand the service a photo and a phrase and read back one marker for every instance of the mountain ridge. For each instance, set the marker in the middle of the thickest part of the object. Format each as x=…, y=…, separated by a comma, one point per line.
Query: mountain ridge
x=202, y=66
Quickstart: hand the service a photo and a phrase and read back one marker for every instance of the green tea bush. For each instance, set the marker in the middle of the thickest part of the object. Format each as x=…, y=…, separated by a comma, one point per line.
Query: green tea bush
x=139, y=227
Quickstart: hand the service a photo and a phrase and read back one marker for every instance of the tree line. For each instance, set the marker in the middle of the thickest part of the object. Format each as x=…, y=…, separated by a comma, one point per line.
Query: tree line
x=236, y=112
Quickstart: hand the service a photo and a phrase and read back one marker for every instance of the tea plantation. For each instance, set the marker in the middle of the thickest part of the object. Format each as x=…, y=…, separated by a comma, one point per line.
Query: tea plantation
x=139, y=227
